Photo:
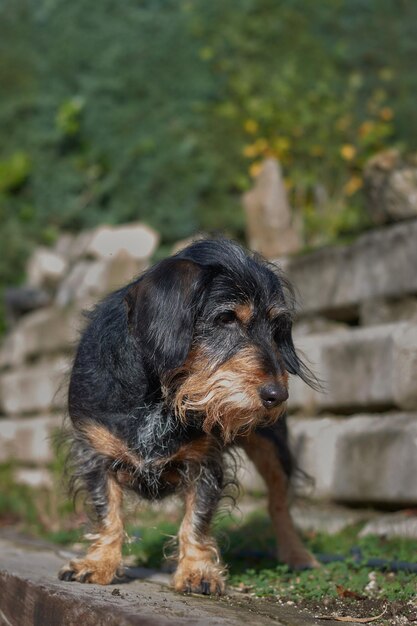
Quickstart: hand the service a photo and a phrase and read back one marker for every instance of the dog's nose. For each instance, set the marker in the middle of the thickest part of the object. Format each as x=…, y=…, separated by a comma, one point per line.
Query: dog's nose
x=273, y=394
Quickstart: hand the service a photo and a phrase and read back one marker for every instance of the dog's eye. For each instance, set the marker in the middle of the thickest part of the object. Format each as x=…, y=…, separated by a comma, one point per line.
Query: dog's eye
x=226, y=318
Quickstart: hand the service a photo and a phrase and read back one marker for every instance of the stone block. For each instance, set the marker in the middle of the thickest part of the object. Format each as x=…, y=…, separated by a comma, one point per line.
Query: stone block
x=137, y=241
x=90, y=280
x=268, y=214
x=27, y=440
x=35, y=388
x=34, y=477
x=390, y=187
x=45, y=331
x=399, y=524
x=368, y=459
x=382, y=311
x=45, y=268
x=374, y=367
x=334, y=281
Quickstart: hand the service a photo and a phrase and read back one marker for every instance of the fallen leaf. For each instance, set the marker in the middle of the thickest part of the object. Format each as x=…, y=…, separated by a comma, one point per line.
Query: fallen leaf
x=342, y=592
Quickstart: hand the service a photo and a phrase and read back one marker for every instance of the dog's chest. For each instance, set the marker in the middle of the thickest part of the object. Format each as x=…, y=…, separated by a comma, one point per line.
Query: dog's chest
x=173, y=468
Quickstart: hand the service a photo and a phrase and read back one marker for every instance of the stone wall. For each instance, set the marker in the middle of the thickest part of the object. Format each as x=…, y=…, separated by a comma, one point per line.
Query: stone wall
x=36, y=354
x=357, y=327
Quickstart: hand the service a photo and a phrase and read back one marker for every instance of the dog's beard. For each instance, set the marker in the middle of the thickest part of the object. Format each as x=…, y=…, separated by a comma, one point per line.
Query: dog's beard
x=226, y=396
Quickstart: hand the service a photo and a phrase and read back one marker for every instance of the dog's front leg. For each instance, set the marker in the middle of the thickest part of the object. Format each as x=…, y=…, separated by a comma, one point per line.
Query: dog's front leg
x=199, y=566
x=104, y=556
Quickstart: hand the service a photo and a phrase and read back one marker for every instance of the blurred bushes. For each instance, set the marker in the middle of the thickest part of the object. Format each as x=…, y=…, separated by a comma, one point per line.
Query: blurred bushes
x=162, y=111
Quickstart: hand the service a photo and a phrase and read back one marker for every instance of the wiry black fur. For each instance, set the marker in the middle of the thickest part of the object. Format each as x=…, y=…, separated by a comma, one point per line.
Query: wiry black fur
x=139, y=334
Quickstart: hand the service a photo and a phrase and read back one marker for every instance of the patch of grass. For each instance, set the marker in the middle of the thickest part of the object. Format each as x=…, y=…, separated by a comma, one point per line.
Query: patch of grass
x=247, y=545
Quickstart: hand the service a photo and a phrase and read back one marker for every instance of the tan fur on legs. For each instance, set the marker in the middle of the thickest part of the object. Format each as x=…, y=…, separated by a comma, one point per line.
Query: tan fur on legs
x=263, y=453
x=199, y=568
x=104, y=556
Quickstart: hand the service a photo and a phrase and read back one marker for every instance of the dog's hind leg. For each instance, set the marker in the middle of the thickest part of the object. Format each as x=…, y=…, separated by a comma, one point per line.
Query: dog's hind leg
x=104, y=556
x=199, y=567
x=264, y=453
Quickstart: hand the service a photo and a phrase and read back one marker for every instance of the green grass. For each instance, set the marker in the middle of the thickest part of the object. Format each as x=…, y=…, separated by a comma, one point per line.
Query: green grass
x=247, y=546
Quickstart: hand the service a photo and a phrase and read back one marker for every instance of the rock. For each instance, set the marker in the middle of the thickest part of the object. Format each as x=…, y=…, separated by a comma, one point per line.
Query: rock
x=134, y=240
x=334, y=281
x=74, y=286
x=78, y=248
x=33, y=477
x=382, y=311
x=404, y=372
x=366, y=458
x=45, y=268
x=21, y=300
x=268, y=214
x=401, y=524
x=46, y=331
x=34, y=388
x=90, y=280
x=64, y=245
x=316, y=325
x=373, y=367
x=27, y=440
x=326, y=518
x=390, y=187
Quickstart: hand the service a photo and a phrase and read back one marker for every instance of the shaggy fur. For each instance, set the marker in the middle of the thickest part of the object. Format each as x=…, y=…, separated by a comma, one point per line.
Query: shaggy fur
x=172, y=371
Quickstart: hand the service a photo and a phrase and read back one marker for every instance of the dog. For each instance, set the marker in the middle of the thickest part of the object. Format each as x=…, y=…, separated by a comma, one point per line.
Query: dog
x=172, y=371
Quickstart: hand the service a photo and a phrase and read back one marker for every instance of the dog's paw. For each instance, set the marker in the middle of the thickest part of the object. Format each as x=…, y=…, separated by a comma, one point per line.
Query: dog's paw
x=208, y=580
x=89, y=571
x=300, y=559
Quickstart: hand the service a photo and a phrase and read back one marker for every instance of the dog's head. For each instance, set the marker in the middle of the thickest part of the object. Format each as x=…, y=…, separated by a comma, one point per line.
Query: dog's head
x=216, y=323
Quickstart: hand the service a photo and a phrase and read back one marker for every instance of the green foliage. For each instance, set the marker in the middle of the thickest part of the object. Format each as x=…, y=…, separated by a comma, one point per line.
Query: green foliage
x=161, y=111
x=14, y=172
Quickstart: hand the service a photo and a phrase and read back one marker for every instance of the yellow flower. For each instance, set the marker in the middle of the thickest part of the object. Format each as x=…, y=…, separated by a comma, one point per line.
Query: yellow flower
x=251, y=126
x=348, y=152
x=249, y=151
x=254, y=149
x=386, y=114
x=255, y=168
x=366, y=128
x=353, y=185
x=282, y=144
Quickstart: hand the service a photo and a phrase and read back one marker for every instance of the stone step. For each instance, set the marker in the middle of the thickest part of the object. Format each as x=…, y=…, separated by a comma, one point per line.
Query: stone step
x=373, y=368
x=29, y=439
x=45, y=331
x=36, y=388
x=334, y=281
x=368, y=459
x=32, y=595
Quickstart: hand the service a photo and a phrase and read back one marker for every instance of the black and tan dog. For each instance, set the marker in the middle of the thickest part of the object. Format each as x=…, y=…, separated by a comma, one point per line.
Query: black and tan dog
x=173, y=370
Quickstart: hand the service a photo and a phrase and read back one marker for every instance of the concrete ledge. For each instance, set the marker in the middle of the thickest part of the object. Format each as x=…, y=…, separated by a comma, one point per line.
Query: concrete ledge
x=45, y=331
x=366, y=458
x=373, y=368
x=31, y=595
x=36, y=388
x=28, y=440
x=334, y=281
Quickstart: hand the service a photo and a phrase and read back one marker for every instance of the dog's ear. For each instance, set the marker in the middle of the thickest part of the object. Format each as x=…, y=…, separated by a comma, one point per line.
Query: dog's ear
x=292, y=361
x=162, y=308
